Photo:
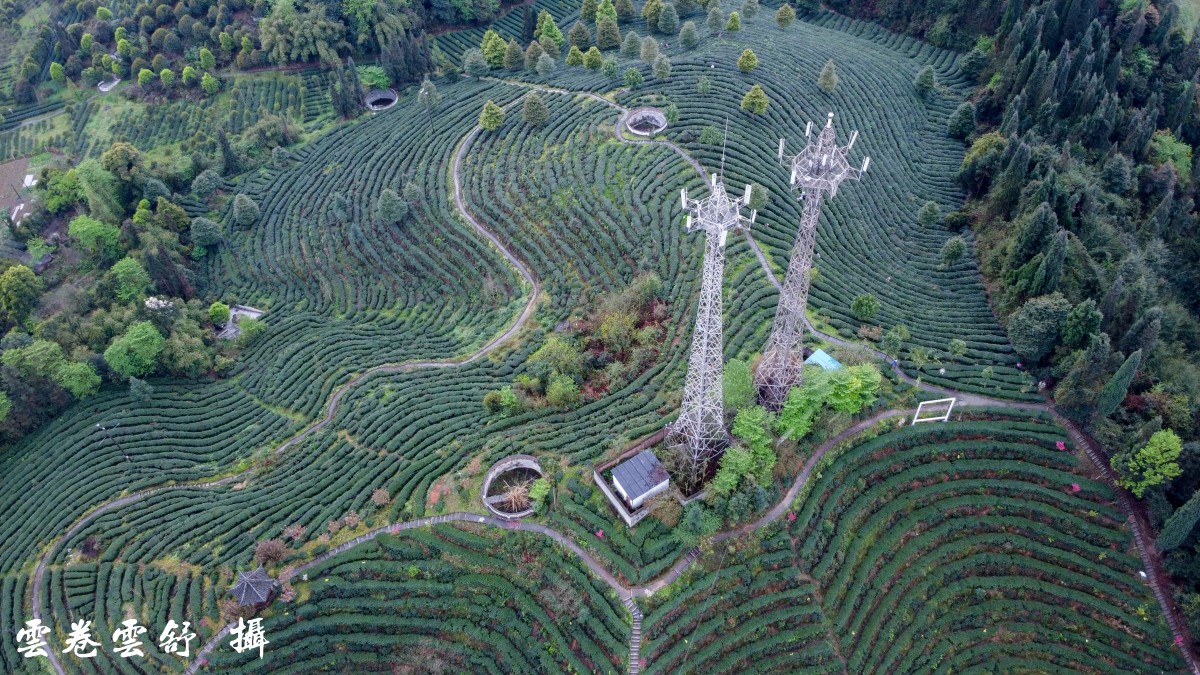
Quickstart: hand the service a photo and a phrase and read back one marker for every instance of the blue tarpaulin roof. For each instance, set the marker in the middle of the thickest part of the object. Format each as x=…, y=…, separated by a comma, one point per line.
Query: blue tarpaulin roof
x=820, y=358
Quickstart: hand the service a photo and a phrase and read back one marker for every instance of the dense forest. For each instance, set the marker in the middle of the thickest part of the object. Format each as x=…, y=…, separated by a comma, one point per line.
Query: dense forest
x=1081, y=180
x=176, y=48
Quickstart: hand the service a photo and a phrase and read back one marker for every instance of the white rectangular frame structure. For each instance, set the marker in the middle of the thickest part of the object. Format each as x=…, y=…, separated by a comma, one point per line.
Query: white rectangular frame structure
x=948, y=402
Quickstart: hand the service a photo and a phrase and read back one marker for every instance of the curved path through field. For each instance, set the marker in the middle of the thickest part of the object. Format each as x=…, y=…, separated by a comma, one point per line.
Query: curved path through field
x=1143, y=538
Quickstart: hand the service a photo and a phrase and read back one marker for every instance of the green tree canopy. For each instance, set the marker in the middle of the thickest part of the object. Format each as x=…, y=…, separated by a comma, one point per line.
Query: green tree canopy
x=760, y=195
x=99, y=239
x=391, y=209
x=737, y=384
x=714, y=21
x=954, y=250
x=1034, y=328
x=131, y=279
x=579, y=36
x=608, y=35
x=547, y=28
x=785, y=15
x=752, y=426
x=534, y=110
x=846, y=390
x=78, y=378
x=209, y=84
x=962, y=121
x=1117, y=387
x=1081, y=324
x=493, y=47
x=560, y=355
x=925, y=81
x=755, y=100
x=514, y=56
x=99, y=188
x=218, y=313
x=662, y=67
x=562, y=392
x=865, y=307
x=40, y=358
x=474, y=63
x=574, y=57
x=929, y=214
x=592, y=60
x=136, y=352
x=668, y=20
x=491, y=117
x=651, y=11
x=532, y=54
x=205, y=232
x=734, y=464
x=631, y=45
x=688, y=36
x=1153, y=464
x=245, y=210
x=748, y=61
x=606, y=10
x=19, y=291
x=828, y=79
x=1181, y=523
x=649, y=49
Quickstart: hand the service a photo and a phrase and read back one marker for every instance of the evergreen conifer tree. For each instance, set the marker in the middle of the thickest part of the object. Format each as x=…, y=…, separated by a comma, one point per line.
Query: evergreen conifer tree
x=608, y=35
x=579, y=36
x=491, y=117
x=514, y=57
x=534, y=110
x=828, y=79
x=755, y=100
x=785, y=15
x=532, y=54
x=688, y=36
x=625, y=11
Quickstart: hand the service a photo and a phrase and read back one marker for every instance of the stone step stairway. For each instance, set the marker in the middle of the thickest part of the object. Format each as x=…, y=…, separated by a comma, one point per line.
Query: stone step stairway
x=635, y=638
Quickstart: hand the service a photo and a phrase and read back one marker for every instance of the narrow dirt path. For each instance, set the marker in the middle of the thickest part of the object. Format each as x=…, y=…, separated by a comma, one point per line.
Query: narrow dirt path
x=330, y=407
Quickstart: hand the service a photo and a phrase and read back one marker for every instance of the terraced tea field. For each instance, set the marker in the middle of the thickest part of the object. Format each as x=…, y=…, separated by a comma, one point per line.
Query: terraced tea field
x=462, y=600
x=939, y=547
x=926, y=549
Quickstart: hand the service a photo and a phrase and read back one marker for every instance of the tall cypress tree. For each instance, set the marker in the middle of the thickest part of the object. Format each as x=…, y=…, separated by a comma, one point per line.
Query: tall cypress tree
x=528, y=24
x=1111, y=300
x=1013, y=178
x=1118, y=385
x=231, y=164
x=1049, y=273
x=1143, y=334
x=355, y=85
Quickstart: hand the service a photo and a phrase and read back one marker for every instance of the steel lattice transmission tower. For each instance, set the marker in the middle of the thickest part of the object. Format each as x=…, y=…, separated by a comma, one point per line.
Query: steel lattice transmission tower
x=816, y=171
x=699, y=434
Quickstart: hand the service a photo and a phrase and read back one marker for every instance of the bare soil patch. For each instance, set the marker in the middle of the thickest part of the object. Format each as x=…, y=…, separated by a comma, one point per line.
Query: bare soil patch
x=12, y=176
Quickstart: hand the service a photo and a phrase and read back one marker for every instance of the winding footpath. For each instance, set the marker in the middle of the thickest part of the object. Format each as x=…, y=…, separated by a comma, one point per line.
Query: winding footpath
x=330, y=407
x=1142, y=532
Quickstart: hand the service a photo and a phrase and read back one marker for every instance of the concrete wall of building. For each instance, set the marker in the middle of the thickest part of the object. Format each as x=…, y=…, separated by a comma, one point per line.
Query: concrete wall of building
x=656, y=490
